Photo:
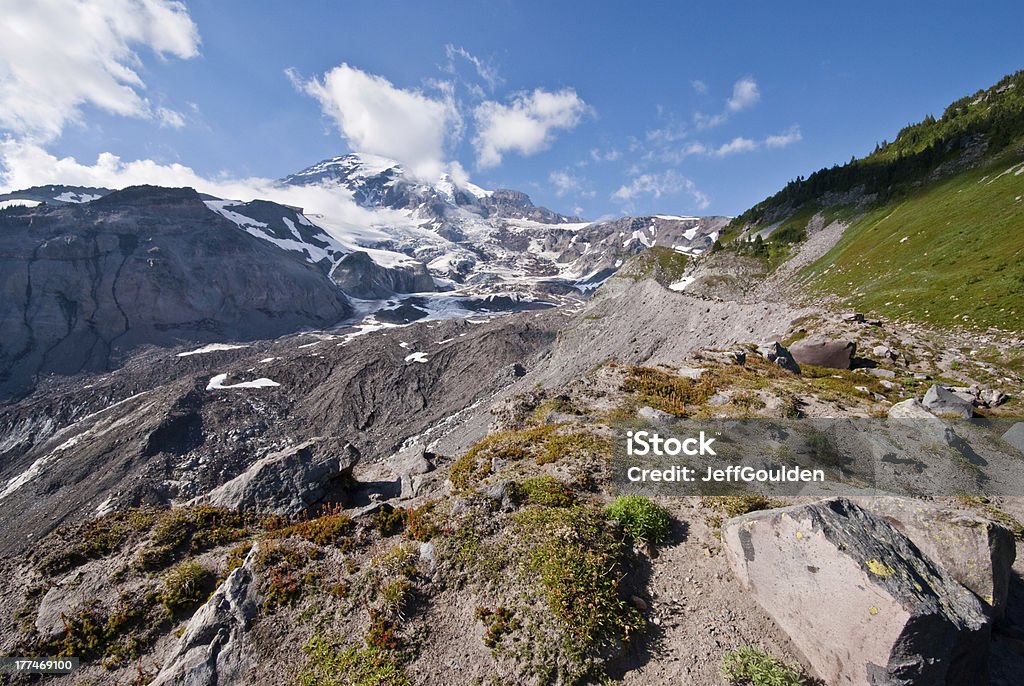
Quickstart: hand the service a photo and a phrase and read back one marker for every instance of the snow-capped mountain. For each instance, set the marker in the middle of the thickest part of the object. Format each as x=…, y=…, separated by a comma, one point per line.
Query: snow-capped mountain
x=497, y=240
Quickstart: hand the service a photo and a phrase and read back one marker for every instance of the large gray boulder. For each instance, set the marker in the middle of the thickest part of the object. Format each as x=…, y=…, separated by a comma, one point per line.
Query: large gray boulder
x=836, y=354
x=287, y=482
x=213, y=648
x=941, y=400
x=860, y=601
x=975, y=551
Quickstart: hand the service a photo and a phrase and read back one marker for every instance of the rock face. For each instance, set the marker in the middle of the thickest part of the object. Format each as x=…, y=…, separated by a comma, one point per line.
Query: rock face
x=287, y=482
x=832, y=354
x=940, y=400
x=360, y=277
x=85, y=284
x=213, y=648
x=975, y=551
x=860, y=601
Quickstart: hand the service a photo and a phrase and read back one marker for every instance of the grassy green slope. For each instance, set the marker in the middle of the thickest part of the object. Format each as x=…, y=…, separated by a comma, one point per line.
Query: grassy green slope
x=950, y=254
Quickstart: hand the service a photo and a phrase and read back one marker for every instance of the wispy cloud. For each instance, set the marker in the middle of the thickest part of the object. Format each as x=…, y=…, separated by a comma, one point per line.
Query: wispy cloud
x=485, y=70
x=656, y=185
x=56, y=57
x=526, y=125
x=699, y=86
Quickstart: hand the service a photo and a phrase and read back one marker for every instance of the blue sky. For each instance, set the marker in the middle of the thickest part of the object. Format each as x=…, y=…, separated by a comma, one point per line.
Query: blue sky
x=600, y=108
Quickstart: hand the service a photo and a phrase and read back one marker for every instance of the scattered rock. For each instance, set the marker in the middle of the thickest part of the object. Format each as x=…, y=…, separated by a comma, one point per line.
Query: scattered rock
x=213, y=649
x=777, y=353
x=725, y=357
x=286, y=482
x=653, y=415
x=940, y=400
x=880, y=373
x=638, y=603
x=836, y=354
x=853, y=317
x=859, y=600
x=910, y=409
x=975, y=551
x=991, y=397
x=502, y=494
x=693, y=373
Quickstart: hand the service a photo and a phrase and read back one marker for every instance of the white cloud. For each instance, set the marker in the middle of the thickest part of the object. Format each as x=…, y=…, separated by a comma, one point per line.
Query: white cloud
x=58, y=56
x=376, y=117
x=736, y=145
x=656, y=185
x=609, y=155
x=484, y=70
x=699, y=86
x=526, y=125
x=564, y=182
x=781, y=140
x=744, y=95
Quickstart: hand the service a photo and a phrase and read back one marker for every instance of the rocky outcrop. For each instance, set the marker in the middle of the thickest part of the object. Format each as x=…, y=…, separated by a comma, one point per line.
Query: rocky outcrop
x=941, y=400
x=777, y=353
x=288, y=482
x=836, y=354
x=975, y=551
x=360, y=277
x=859, y=600
x=214, y=648
x=84, y=284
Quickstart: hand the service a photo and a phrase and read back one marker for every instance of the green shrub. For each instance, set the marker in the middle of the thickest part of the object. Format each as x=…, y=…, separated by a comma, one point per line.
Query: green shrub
x=329, y=528
x=749, y=666
x=548, y=491
x=641, y=519
x=736, y=505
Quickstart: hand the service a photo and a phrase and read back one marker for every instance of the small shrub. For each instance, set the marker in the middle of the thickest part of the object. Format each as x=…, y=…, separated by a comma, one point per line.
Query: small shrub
x=753, y=667
x=641, y=519
x=329, y=528
x=185, y=586
x=547, y=491
x=388, y=521
x=668, y=392
x=497, y=622
x=328, y=665
x=193, y=529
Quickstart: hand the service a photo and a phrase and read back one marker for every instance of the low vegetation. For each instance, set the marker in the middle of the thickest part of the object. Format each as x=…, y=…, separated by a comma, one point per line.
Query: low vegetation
x=749, y=666
x=328, y=664
x=641, y=519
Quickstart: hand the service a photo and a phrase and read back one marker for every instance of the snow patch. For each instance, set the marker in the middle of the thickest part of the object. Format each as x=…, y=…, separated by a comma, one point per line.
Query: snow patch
x=212, y=348
x=4, y=204
x=681, y=284
x=417, y=357
x=217, y=383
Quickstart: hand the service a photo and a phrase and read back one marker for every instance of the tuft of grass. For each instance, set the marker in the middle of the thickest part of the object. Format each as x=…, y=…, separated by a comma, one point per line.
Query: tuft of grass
x=329, y=665
x=544, y=444
x=189, y=530
x=95, y=538
x=667, y=392
x=576, y=559
x=329, y=528
x=748, y=666
x=641, y=519
x=547, y=491
x=184, y=586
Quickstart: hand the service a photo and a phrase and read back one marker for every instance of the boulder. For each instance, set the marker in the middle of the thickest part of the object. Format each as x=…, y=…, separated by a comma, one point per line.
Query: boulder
x=910, y=409
x=777, y=353
x=857, y=598
x=409, y=465
x=975, y=551
x=1015, y=436
x=213, y=648
x=836, y=354
x=652, y=414
x=940, y=400
x=287, y=482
